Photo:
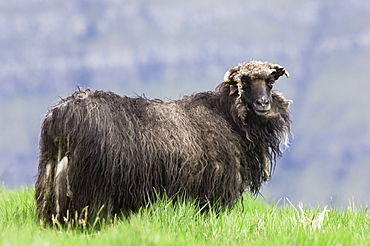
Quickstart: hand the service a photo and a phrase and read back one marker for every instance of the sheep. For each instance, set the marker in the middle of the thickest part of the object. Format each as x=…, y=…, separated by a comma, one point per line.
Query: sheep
x=115, y=154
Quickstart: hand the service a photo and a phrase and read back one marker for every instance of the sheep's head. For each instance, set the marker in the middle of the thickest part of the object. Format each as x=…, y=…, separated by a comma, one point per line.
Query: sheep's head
x=253, y=82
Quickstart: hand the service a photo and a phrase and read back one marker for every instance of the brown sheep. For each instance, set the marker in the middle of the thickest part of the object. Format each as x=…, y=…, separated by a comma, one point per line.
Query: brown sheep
x=101, y=150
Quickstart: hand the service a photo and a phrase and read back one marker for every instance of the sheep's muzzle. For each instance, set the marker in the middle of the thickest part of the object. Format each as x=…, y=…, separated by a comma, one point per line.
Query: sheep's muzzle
x=262, y=106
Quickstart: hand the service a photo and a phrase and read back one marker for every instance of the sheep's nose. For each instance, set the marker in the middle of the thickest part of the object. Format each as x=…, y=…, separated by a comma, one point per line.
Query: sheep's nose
x=263, y=101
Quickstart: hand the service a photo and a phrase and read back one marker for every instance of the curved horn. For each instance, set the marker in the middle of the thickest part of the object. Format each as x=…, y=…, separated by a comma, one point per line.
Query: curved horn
x=228, y=77
x=279, y=69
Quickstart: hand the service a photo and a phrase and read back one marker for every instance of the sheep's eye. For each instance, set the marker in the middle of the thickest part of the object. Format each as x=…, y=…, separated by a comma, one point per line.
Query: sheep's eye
x=270, y=82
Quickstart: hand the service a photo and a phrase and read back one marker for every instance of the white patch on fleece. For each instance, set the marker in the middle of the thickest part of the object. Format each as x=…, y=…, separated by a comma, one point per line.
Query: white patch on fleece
x=62, y=165
x=48, y=171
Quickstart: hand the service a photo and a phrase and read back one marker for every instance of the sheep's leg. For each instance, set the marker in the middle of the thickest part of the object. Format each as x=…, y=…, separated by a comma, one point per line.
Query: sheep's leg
x=45, y=193
x=265, y=166
x=61, y=182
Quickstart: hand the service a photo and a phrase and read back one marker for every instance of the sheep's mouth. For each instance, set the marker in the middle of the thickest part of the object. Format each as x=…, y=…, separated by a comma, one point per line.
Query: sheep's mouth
x=262, y=112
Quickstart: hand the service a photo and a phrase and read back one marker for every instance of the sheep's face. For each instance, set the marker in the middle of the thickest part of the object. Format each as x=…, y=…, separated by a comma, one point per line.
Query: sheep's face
x=253, y=83
x=257, y=94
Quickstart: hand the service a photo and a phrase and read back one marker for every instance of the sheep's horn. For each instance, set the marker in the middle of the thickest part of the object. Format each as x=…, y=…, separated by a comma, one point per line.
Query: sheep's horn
x=228, y=75
x=277, y=66
x=286, y=73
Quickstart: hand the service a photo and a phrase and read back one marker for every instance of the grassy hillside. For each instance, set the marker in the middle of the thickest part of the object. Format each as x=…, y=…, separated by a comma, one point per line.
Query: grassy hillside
x=251, y=222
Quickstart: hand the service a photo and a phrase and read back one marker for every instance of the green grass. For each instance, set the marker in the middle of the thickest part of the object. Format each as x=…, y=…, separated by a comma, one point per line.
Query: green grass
x=251, y=222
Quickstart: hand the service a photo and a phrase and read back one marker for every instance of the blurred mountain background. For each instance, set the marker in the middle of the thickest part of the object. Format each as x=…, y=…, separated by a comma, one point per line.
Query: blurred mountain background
x=166, y=49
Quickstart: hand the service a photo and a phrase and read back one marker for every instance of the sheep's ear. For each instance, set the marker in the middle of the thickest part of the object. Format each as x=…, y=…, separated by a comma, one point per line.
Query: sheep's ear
x=232, y=85
x=229, y=79
x=233, y=89
x=278, y=71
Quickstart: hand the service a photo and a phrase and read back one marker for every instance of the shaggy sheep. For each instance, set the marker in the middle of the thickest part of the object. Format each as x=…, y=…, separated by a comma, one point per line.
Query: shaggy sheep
x=101, y=150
